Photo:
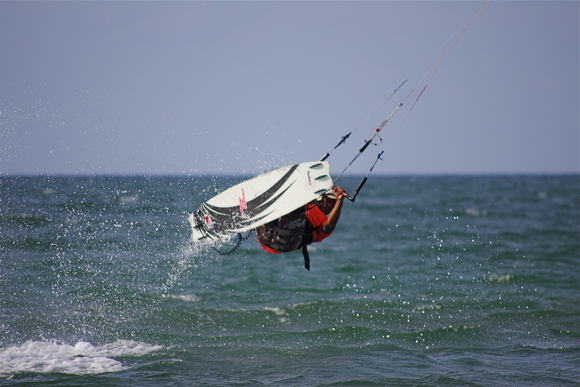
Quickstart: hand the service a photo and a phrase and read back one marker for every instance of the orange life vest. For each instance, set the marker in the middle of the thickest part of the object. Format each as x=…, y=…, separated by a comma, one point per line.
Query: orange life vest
x=317, y=219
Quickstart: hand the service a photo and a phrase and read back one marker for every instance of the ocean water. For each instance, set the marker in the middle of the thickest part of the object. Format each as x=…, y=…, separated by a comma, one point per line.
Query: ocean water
x=449, y=280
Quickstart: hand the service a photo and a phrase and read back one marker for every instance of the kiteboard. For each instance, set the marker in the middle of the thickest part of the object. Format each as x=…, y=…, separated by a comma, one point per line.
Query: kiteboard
x=260, y=200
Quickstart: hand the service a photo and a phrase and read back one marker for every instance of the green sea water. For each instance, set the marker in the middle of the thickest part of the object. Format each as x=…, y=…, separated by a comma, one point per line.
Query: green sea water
x=435, y=280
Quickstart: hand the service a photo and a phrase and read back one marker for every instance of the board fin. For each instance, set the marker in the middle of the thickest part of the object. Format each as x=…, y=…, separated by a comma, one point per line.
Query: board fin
x=306, y=257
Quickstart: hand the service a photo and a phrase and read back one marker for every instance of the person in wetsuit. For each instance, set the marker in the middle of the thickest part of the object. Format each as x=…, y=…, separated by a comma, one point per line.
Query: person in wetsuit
x=308, y=224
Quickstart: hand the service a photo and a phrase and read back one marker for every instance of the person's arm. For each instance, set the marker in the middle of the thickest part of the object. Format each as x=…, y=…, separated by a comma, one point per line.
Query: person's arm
x=334, y=215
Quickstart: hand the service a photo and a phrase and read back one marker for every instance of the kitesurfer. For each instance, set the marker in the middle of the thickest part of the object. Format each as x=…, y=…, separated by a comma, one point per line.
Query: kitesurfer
x=308, y=224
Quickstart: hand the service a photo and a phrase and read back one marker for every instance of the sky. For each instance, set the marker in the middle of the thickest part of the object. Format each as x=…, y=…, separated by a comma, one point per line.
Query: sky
x=235, y=87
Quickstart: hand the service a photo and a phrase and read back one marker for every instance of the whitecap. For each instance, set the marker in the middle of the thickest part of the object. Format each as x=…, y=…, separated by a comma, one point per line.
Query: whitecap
x=475, y=212
x=499, y=278
x=183, y=297
x=423, y=308
x=83, y=358
x=128, y=199
x=277, y=311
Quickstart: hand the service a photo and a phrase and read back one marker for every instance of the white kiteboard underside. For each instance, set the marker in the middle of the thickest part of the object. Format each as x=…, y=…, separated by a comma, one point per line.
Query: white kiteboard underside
x=260, y=200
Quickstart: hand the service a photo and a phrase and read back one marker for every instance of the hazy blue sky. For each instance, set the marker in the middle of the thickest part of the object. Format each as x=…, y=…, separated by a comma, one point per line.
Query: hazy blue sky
x=241, y=87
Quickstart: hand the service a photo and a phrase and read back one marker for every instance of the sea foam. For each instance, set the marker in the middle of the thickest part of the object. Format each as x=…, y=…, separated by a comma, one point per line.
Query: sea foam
x=80, y=359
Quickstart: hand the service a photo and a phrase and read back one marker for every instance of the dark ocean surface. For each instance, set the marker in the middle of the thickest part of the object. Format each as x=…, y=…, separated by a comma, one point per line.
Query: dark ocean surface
x=450, y=280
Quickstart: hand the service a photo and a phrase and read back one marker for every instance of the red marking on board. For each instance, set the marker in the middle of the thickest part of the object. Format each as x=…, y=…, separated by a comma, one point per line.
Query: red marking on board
x=207, y=219
x=243, y=204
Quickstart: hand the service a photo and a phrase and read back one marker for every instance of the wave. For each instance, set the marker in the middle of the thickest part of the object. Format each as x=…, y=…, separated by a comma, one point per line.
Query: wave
x=182, y=297
x=83, y=358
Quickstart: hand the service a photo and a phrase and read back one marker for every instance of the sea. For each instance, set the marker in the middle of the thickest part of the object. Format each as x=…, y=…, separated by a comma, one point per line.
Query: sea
x=426, y=281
